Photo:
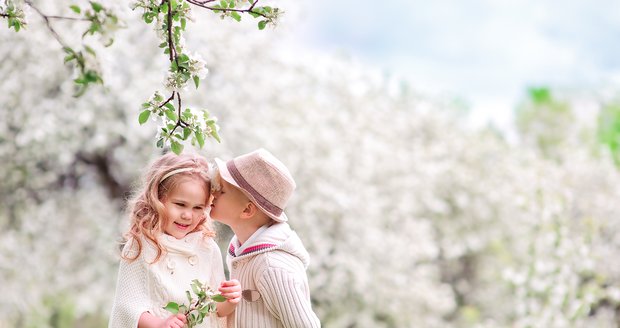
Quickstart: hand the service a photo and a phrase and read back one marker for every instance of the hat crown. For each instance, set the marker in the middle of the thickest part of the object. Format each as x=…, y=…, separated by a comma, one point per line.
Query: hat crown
x=265, y=179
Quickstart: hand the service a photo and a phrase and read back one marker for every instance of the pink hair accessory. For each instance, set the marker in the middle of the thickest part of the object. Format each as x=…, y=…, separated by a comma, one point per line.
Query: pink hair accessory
x=173, y=172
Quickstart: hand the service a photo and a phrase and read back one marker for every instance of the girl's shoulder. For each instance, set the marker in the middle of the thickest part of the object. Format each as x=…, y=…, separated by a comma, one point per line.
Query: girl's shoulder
x=139, y=247
x=203, y=243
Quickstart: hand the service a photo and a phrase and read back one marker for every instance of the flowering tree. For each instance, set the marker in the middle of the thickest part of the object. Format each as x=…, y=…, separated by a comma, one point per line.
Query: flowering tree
x=411, y=220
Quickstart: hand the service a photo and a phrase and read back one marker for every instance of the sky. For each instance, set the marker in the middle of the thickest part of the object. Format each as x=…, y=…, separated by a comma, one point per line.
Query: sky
x=483, y=52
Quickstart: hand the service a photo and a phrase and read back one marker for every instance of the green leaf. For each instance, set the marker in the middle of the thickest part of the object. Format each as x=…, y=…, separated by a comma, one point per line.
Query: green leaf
x=186, y=133
x=223, y=4
x=75, y=9
x=177, y=148
x=160, y=143
x=196, y=287
x=183, y=23
x=204, y=310
x=196, y=80
x=231, y=4
x=90, y=50
x=171, y=115
x=144, y=116
x=218, y=298
x=148, y=18
x=170, y=107
x=69, y=58
x=172, y=306
x=183, y=58
x=200, y=138
x=262, y=24
x=235, y=16
x=189, y=296
x=215, y=135
x=96, y=6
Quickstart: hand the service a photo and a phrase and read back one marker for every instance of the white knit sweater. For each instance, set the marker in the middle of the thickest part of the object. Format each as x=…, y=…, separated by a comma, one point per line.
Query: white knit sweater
x=272, y=264
x=143, y=286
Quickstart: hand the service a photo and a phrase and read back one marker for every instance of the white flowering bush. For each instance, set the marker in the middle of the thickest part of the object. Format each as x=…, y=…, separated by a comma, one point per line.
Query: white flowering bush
x=411, y=219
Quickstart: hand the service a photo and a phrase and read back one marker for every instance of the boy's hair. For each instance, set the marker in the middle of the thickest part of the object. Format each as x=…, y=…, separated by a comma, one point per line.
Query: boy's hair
x=146, y=209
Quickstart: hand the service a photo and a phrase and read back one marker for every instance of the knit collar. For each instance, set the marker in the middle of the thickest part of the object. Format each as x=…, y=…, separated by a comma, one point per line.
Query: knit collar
x=257, y=242
x=184, y=246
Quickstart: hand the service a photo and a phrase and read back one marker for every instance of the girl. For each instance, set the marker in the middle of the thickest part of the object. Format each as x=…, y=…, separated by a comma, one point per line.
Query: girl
x=169, y=244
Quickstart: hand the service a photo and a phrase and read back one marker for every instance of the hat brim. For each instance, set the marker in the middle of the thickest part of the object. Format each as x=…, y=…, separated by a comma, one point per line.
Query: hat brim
x=225, y=174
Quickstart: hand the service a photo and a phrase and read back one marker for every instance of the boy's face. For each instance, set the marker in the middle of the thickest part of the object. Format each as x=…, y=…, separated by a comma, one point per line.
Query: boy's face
x=228, y=202
x=185, y=207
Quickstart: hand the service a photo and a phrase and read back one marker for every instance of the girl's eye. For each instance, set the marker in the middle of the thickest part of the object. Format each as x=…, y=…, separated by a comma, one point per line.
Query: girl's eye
x=180, y=204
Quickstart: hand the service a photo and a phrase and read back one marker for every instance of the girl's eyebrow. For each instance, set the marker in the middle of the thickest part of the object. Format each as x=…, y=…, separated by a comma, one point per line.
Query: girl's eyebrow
x=178, y=200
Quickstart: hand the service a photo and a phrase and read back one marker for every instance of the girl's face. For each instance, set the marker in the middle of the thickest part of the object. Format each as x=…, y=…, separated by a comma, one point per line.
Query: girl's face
x=228, y=202
x=185, y=207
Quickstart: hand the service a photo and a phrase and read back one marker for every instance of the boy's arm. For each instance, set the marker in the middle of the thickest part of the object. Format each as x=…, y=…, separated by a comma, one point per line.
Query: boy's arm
x=285, y=295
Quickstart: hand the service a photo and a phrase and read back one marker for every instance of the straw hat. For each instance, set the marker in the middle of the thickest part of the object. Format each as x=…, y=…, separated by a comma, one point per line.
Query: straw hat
x=262, y=178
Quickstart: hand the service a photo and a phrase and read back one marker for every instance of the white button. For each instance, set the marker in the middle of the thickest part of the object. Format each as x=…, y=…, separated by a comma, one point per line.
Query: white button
x=170, y=264
x=192, y=259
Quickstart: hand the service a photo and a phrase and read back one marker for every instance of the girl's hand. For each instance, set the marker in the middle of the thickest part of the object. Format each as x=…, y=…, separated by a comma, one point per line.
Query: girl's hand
x=231, y=290
x=174, y=321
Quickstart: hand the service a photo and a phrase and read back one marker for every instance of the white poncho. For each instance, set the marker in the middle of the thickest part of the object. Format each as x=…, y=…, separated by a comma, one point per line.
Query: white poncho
x=145, y=287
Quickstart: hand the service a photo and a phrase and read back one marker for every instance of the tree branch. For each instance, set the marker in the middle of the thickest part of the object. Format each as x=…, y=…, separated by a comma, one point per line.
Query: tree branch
x=173, y=51
x=168, y=100
x=47, y=22
x=67, y=18
x=249, y=10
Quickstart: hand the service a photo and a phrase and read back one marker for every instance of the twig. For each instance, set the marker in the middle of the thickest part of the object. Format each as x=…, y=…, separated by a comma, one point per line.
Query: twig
x=249, y=10
x=47, y=22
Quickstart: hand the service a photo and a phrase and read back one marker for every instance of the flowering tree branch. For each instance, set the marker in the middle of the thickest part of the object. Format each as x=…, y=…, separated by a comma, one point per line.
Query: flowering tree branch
x=170, y=19
x=83, y=60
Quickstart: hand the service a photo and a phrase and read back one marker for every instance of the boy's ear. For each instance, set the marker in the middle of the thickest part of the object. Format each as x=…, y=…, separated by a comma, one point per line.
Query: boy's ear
x=249, y=211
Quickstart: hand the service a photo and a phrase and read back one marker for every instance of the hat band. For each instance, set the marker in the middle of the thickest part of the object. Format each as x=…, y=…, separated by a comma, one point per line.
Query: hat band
x=263, y=202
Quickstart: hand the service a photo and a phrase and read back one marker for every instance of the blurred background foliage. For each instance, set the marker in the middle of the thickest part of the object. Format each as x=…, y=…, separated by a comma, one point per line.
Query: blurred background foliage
x=412, y=218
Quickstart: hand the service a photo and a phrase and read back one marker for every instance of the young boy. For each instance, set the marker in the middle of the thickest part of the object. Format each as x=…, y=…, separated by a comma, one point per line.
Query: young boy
x=265, y=255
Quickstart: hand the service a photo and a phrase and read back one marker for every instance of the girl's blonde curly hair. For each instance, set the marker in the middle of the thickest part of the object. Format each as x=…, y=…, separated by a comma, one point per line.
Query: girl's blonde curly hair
x=146, y=209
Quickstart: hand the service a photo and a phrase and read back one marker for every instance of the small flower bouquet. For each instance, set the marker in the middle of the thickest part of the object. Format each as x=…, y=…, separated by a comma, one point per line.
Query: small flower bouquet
x=200, y=307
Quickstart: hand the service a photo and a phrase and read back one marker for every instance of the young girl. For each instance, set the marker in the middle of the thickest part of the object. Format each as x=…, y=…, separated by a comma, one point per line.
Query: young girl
x=169, y=244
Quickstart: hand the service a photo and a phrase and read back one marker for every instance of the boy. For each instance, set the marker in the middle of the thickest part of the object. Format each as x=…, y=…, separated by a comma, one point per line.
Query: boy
x=265, y=255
